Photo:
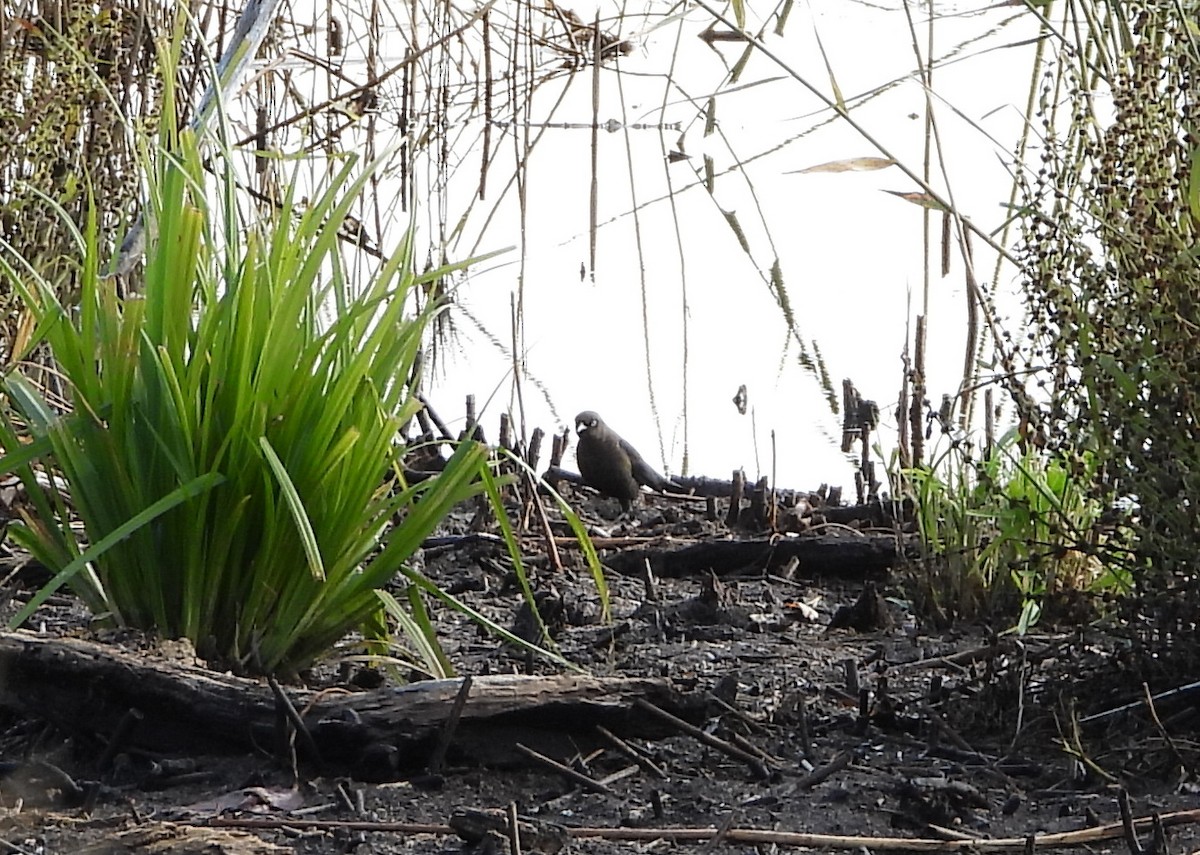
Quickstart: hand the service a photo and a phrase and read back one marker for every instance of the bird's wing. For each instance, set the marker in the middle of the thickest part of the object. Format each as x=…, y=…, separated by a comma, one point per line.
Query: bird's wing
x=643, y=473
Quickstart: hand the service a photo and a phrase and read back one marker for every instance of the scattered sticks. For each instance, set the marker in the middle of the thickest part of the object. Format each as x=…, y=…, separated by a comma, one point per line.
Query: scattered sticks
x=945, y=729
x=1080, y=837
x=757, y=767
x=566, y=771
x=644, y=763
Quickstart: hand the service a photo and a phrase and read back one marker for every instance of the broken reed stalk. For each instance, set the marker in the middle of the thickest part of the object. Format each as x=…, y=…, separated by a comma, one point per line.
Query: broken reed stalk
x=822, y=773
x=735, y=498
x=514, y=829
x=437, y=760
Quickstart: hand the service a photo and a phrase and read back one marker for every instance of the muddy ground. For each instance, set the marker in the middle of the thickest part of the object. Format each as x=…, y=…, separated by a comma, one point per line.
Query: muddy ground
x=896, y=732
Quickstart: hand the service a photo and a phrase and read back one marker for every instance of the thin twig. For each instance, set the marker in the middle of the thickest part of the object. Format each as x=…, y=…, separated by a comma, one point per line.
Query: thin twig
x=289, y=710
x=1161, y=729
x=514, y=829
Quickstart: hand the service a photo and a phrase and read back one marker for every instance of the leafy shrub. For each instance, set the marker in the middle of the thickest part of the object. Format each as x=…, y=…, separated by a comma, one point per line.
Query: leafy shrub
x=1113, y=276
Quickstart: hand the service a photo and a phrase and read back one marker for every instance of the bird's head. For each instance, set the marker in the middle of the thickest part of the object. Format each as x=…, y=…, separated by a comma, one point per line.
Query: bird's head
x=587, y=420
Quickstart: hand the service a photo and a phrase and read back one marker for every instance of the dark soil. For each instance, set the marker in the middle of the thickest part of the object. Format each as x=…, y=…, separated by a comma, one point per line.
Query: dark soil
x=887, y=732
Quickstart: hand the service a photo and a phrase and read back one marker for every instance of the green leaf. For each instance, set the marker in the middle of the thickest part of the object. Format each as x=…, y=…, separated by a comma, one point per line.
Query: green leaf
x=303, y=525
x=739, y=13
x=31, y=404
x=419, y=630
x=166, y=503
x=1193, y=188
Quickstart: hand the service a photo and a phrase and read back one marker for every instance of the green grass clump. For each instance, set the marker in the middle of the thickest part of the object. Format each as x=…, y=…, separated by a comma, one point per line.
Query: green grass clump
x=230, y=425
x=1002, y=532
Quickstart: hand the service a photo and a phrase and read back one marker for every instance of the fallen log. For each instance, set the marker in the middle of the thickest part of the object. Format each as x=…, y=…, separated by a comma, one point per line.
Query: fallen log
x=850, y=556
x=90, y=689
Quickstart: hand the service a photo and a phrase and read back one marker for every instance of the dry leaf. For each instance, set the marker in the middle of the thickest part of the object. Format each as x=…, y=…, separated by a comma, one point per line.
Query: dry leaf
x=852, y=164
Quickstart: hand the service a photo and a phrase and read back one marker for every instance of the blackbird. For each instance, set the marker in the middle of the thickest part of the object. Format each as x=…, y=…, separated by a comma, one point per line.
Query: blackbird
x=611, y=465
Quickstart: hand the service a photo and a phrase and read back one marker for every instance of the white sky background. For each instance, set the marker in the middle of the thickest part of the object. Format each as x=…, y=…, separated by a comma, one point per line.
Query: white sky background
x=851, y=253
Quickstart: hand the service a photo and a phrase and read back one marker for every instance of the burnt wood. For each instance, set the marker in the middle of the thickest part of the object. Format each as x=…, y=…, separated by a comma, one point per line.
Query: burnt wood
x=88, y=688
x=849, y=556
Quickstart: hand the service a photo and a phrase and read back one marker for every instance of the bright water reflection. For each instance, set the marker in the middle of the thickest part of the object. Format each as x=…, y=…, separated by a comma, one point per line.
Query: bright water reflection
x=679, y=309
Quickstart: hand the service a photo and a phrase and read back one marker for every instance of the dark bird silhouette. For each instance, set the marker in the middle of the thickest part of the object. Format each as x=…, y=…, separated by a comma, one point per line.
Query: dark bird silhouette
x=611, y=465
